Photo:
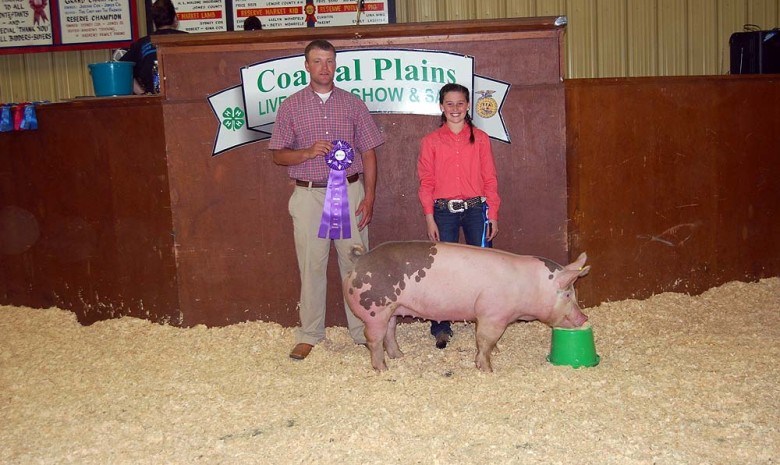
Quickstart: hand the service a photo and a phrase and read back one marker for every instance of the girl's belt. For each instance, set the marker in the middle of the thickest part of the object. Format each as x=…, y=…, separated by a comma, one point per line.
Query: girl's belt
x=458, y=205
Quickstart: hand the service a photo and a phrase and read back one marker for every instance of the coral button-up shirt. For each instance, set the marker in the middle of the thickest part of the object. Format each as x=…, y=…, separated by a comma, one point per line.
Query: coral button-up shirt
x=450, y=167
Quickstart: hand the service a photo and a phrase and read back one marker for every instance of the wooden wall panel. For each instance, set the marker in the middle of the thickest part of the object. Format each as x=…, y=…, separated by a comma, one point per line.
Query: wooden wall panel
x=236, y=257
x=672, y=183
x=671, y=187
x=88, y=196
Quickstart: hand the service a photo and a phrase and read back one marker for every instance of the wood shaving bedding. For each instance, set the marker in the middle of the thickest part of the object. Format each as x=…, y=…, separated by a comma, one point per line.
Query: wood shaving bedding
x=682, y=380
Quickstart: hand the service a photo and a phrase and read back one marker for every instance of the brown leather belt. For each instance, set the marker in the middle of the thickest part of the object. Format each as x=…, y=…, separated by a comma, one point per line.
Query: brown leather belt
x=322, y=185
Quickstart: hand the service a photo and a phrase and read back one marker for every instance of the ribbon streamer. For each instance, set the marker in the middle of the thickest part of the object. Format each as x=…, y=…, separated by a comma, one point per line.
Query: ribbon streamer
x=29, y=119
x=335, y=212
x=309, y=9
x=18, y=116
x=485, y=242
x=6, y=123
x=39, y=12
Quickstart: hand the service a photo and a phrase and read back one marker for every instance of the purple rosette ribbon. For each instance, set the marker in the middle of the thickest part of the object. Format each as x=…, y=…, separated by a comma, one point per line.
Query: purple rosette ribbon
x=335, y=212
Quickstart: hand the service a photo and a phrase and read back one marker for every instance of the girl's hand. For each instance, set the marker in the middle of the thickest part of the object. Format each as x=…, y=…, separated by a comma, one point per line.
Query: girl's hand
x=433, y=229
x=492, y=229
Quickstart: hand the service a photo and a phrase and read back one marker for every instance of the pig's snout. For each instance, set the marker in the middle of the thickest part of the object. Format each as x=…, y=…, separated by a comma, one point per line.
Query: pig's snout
x=579, y=319
x=574, y=319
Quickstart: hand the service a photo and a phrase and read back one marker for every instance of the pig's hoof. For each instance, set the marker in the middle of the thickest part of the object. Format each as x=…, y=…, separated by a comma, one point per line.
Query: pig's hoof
x=442, y=339
x=485, y=368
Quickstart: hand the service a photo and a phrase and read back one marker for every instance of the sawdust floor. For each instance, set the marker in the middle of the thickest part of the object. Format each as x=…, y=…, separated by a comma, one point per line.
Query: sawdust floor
x=682, y=380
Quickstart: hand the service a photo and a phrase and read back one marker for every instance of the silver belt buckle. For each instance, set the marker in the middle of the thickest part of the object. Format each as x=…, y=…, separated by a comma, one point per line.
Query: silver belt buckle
x=452, y=209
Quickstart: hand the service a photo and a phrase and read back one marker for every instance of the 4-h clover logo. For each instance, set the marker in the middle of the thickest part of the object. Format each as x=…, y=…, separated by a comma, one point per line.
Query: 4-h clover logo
x=233, y=118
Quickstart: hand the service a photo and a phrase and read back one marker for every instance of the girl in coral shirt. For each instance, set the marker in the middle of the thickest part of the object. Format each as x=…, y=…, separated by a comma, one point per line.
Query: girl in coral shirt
x=458, y=184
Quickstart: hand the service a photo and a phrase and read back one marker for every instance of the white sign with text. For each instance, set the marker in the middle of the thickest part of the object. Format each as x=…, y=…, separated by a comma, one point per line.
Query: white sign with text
x=387, y=80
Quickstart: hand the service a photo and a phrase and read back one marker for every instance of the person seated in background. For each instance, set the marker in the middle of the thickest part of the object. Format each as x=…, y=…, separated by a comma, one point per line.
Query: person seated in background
x=143, y=52
x=252, y=23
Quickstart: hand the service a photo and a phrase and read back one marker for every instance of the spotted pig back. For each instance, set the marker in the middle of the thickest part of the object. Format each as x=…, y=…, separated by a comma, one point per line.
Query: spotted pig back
x=456, y=282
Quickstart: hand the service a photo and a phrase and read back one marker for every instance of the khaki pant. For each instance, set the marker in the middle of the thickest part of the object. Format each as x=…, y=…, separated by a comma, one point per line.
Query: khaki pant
x=305, y=208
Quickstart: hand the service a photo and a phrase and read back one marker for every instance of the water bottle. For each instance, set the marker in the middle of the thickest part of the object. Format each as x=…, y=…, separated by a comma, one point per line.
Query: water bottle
x=155, y=79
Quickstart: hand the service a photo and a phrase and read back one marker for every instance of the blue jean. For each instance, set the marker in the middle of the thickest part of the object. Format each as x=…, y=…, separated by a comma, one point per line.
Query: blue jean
x=450, y=224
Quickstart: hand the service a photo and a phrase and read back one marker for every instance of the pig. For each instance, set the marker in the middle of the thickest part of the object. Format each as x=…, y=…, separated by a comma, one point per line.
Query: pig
x=457, y=282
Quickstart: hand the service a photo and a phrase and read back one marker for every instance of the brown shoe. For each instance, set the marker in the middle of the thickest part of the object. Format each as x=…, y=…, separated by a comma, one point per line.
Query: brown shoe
x=442, y=339
x=301, y=351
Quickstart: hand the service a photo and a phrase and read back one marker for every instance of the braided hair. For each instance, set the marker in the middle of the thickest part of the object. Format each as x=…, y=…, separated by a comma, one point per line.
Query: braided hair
x=454, y=87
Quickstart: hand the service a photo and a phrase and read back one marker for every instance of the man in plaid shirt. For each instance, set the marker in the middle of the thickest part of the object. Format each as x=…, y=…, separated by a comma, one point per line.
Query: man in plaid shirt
x=306, y=124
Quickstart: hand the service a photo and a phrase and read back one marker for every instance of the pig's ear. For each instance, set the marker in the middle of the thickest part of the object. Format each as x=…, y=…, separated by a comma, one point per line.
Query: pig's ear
x=578, y=263
x=567, y=276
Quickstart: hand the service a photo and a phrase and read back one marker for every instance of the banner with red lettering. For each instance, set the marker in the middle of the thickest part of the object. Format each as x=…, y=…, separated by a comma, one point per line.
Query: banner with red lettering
x=28, y=26
x=279, y=14
x=201, y=15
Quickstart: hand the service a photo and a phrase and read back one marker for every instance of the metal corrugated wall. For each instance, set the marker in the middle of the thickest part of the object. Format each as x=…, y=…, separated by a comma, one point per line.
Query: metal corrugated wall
x=604, y=38
x=618, y=38
x=51, y=76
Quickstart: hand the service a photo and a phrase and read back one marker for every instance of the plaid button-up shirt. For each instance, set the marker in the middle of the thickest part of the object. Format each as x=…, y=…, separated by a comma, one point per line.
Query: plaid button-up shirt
x=303, y=119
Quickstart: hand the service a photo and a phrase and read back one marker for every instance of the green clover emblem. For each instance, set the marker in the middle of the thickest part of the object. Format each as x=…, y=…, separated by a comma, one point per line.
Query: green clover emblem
x=233, y=118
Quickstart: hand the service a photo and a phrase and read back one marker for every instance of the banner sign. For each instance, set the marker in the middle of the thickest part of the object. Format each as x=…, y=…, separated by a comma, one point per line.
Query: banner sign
x=387, y=80
x=279, y=14
x=25, y=23
x=85, y=21
x=53, y=25
x=487, y=99
x=228, y=106
x=201, y=15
